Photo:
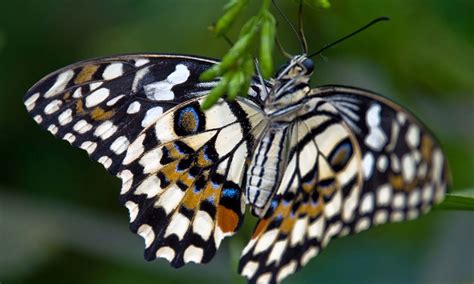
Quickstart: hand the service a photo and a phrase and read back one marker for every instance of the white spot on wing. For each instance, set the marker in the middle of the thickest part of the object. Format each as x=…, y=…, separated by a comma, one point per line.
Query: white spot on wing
x=193, y=254
x=141, y=61
x=286, y=270
x=203, y=224
x=69, y=137
x=178, y=225
x=249, y=269
x=277, y=251
x=38, y=118
x=308, y=255
x=134, y=150
x=53, y=129
x=115, y=100
x=31, y=101
x=151, y=116
x=82, y=126
x=376, y=138
x=266, y=240
x=368, y=165
x=413, y=136
x=53, y=107
x=408, y=168
x=113, y=71
x=227, y=139
x=77, y=93
x=138, y=77
x=367, y=204
x=105, y=130
x=127, y=179
x=89, y=146
x=161, y=91
x=134, y=107
x=97, y=97
x=170, y=198
x=146, y=232
x=60, y=83
x=399, y=201
x=105, y=161
x=120, y=145
x=151, y=161
x=65, y=117
x=316, y=229
x=165, y=252
x=149, y=186
x=362, y=224
x=380, y=217
x=382, y=163
x=384, y=193
x=132, y=210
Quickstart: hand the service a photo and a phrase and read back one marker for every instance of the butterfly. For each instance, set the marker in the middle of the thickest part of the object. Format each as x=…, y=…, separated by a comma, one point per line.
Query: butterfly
x=311, y=163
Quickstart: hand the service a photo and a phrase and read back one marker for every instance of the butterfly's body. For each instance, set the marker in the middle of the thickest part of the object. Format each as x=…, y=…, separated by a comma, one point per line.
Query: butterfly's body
x=313, y=164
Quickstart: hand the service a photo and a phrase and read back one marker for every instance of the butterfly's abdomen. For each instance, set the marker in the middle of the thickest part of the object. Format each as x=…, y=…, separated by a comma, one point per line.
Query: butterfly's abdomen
x=264, y=173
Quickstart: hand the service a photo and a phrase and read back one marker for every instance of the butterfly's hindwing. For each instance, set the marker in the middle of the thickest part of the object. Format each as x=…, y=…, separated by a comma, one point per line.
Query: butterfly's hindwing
x=332, y=187
x=322, y=159
x=184, y=190
x=404, y=169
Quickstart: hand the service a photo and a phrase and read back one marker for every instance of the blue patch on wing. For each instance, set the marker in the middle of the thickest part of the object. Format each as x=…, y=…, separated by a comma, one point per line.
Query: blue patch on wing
x=230, y=193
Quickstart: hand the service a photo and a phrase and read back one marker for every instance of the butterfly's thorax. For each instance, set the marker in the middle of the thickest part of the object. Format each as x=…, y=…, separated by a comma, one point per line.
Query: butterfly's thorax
x=282, y=107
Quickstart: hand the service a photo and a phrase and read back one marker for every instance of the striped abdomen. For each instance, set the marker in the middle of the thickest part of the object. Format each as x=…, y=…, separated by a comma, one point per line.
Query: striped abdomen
x=266, y=169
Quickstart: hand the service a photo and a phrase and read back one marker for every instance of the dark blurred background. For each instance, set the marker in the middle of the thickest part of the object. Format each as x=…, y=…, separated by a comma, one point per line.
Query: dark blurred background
x=60, y=221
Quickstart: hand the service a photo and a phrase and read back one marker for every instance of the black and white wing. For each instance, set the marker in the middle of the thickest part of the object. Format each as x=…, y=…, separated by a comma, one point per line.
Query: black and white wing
x=355, y=161
x=139, y=116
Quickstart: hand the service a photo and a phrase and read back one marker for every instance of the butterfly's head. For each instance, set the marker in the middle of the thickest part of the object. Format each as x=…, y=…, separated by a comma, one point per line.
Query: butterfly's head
x=298, y=67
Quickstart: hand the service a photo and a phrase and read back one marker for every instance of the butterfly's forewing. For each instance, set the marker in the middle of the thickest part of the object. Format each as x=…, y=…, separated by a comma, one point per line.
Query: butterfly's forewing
x=139, y=115
x=362, y=161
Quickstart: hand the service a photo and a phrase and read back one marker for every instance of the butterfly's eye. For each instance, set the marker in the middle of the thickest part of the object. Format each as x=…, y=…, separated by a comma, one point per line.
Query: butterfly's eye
x=308, y=65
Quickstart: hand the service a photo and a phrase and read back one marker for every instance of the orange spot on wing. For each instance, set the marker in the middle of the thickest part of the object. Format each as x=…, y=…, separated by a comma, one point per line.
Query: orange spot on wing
x=227, y=219
x=201, y=160
x=98, y=113
x=192, y=199
x=80, y=107
x=261, y=226
x=287, y=224
x=170, y=172
x=67, y=96
x=396, y=181
x=86, y=74
x=426, y=148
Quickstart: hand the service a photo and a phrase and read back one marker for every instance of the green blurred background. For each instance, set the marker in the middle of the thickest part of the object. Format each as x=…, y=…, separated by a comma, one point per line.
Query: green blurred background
x=60, y=221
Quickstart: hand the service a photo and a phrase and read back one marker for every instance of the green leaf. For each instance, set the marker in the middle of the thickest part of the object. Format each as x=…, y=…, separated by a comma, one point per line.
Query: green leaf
x=232, y=10
x=217, y=92
x=238, y=50
x=235, y=85
x=318, y=3
x=267, y=42
x=211, y=73
x=458, y=200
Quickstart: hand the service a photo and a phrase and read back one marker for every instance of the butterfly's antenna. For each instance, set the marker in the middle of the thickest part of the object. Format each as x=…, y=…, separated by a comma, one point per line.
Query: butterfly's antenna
x=282, y=49
x=289, y=23
x=350, y=35
x=300, y=28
